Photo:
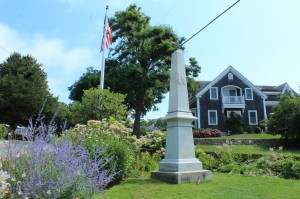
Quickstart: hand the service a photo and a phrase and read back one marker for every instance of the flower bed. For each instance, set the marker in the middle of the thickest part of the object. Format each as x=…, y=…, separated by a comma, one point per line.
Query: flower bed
x=204, y=133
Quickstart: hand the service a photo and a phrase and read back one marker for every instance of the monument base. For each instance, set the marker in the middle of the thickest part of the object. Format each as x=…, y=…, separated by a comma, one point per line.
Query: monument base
x=182, y=176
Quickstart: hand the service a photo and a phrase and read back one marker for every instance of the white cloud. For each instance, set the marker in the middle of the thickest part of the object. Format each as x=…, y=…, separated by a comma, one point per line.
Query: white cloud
x=64, y=65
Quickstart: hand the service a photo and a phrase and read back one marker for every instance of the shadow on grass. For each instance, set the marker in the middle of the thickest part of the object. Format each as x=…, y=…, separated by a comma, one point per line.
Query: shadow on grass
x=145, y=181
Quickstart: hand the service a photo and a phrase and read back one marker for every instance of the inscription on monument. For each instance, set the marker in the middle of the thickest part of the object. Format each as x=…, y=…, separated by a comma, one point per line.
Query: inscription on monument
x=180, y=79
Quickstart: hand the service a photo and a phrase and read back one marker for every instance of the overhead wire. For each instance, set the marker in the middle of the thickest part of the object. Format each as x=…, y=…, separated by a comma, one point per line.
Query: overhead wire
x=210, y=22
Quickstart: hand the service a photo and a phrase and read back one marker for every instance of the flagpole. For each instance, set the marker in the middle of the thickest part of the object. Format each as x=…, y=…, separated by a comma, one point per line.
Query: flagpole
x=103, y=52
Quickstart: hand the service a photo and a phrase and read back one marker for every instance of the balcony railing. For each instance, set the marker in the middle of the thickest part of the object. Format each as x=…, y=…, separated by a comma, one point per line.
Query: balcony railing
x=233, y=100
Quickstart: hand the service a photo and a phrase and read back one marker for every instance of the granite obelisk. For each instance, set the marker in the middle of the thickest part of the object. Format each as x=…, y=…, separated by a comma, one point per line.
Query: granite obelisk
x=180, y=163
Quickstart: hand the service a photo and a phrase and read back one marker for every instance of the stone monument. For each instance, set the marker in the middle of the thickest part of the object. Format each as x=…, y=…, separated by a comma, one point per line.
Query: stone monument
x=180, y=164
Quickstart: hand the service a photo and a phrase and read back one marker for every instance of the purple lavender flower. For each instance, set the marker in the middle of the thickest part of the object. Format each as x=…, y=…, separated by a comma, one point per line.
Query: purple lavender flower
x=49, y=167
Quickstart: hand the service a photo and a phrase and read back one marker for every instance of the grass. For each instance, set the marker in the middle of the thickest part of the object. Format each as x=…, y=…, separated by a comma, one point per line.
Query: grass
x=248, y=149
x=221, y=186
x=248, y=136
x=253, y=136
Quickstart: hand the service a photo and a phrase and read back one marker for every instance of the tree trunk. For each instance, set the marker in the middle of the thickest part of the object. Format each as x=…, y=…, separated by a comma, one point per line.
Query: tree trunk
x=137, y=120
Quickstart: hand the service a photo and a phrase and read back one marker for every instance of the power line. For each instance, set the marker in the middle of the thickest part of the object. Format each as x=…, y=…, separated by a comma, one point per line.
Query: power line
x=169, y=10
x=5, y=50
x=210, y=22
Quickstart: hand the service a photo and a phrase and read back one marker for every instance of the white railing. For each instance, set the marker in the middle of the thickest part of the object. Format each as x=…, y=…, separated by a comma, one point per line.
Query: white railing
x=233, y=100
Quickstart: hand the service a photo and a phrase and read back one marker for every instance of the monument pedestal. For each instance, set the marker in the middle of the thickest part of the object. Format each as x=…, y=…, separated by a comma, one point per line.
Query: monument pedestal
x=182, y=176
x=179, y=164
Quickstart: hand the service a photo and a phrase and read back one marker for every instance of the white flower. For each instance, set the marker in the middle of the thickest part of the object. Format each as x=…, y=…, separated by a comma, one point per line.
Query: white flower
x=49, y=192
x=13, y=179
x=4, y=175
x=23, y=175
x=19, y=192
x=280, y=148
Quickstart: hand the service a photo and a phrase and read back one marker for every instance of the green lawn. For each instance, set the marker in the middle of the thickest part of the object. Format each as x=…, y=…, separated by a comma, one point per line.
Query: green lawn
x=221, y=186
x=249, y=136
x=248, y=149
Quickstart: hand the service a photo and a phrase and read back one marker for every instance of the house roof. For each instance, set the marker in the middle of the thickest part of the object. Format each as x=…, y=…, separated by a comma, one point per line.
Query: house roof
x=239, y=75
x=280, y=89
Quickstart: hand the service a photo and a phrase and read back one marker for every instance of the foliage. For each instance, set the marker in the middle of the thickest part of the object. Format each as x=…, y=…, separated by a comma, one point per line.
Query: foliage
x=154, y=141
x=208, y=161
x=97, y=104
x=234, y=123
x=273, y=164
x=23, y=89
x=46, y=168
x=285, y=119
x=257, y=129
x=3, y=132
x=115, y=137
x=152, y=124
x=249, y=129
x=228, y=159
x=145, y=162
x=88, y=80
x=142, y=57
x=203, y=133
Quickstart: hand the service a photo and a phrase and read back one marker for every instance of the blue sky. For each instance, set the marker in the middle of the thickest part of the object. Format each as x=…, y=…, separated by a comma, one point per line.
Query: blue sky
x=260, y=38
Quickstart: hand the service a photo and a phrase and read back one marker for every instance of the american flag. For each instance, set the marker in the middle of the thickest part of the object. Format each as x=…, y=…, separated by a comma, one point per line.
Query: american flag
x=107, y=34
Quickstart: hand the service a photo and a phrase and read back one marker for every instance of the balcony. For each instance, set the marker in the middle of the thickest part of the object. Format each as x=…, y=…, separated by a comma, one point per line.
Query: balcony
x=233, y=102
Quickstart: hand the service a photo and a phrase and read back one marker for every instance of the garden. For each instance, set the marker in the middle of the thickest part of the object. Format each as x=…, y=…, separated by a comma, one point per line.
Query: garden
x=104, y=159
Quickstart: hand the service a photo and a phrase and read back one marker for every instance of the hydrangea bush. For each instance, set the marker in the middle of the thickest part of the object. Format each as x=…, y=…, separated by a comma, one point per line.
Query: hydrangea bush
x=116, y=138
x=154, y=141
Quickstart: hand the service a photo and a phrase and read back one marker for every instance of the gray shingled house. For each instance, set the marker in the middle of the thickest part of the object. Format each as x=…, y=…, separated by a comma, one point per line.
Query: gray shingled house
x=232, y=92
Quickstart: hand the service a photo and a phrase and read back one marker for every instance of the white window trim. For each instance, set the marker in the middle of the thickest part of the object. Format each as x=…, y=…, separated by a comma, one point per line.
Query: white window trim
x=216, y=93
x=252, y=111
x=236, y=112
x=246, y=94
x=215, y=111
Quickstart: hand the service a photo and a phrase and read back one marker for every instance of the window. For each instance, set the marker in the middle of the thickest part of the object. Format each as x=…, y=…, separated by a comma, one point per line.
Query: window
x=212, y=117
x=252, y=117
x=230, y=76
x=214, y=93
x=236, y=112
x=232, y=92
x=249, y=93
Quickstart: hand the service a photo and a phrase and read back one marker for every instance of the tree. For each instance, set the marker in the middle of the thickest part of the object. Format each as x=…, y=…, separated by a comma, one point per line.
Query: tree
x=23, y=89
x=139, y=65
x=285, y=119
x=90, y=79
x=98, y=104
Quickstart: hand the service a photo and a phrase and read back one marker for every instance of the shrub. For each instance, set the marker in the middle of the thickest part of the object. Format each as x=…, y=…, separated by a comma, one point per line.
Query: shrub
x=234, y=123
x=3, y=132
x=208, y=161
x=154, y=141
x=285, y=119
x=46, y=168
x=249, y=129
x=115, y=137
x=257, y=129
x=272, y=164
x=203, y=133
x=145, y=162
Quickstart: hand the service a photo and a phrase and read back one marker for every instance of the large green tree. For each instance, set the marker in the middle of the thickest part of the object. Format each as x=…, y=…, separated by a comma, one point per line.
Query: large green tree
x=139, y=64
x=90, y=79
x=23, y=89
x=285, y=119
